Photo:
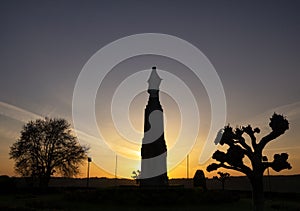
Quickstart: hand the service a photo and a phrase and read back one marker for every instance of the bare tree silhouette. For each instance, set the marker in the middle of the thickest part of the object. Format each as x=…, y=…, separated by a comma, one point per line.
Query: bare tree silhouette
x=238, y=148
x=223, y=176
x=47, y=146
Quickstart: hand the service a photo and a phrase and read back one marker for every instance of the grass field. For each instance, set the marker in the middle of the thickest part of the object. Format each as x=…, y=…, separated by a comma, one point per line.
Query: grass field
x=93, y=200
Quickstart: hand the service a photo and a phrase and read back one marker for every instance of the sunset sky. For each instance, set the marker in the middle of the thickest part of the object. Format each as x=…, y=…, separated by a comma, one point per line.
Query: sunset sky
x=254, y=47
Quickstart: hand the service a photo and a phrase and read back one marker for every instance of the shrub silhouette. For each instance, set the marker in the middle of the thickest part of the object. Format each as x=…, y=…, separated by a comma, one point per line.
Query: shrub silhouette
x=136, y=175
x=223, y=176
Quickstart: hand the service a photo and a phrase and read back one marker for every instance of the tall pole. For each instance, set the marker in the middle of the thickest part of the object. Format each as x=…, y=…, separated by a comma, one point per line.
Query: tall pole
x=88, y=172
x=116, y=166
x=265, y=159
x=187, y=166
x=269, y=180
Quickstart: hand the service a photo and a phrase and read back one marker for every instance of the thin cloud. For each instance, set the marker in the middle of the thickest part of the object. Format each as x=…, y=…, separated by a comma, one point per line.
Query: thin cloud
x=283, y=148
x=17, y=113
x=10, y=134
x=24, y=116
x=291, y=111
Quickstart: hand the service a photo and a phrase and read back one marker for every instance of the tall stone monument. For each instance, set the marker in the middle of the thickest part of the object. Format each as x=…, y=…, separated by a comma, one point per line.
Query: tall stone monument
x=154, y=149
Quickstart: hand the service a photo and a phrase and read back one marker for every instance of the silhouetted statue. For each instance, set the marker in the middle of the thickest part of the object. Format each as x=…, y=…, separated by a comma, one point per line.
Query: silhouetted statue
x=154, y=149
x=238, y=149
x=222, y=178
x=47, y=146
x=199, y=180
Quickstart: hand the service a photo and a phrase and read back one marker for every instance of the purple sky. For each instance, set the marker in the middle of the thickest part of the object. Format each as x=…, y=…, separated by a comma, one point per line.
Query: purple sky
x=253, y=45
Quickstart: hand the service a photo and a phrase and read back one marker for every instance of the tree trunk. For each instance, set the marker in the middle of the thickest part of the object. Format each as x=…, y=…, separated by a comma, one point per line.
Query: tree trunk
x=44, y=182
x=257, y=193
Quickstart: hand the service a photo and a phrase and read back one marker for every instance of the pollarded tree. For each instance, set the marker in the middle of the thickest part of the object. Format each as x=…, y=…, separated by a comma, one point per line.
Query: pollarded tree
x=238, y=149
x=47, y=146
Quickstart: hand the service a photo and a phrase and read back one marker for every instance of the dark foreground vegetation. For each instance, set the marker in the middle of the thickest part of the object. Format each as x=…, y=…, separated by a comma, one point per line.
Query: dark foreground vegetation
x=73, y=195
x=134, y=198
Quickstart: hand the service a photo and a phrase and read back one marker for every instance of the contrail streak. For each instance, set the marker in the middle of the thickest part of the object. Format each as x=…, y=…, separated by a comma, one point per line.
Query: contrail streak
x=17, y=113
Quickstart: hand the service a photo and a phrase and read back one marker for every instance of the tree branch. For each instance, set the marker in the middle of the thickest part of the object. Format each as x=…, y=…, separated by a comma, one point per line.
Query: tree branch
x=279, y=125
x=265, y=140
x=235, y=138
x=243, y=143
x=244, y=169
x=250, y=132
x=279, y=163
